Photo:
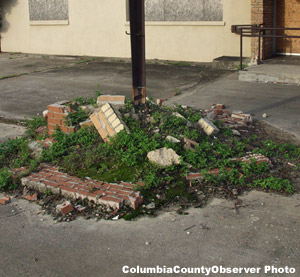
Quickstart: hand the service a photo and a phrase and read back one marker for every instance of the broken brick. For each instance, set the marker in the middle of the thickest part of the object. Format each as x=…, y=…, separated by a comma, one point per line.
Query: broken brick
x=218, y=112
x=5, y=200
x=65, y=208
x=33, y=197
x=220, y=106
x=190, y=144
x=160, y=101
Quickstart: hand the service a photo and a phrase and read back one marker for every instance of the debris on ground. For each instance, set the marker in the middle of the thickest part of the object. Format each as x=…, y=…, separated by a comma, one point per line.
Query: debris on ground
x=163, y=157
x=108, y=122
x=31, y=198
x=64, y=208
x=5, y=200
x=167, y=156
x=113, y=195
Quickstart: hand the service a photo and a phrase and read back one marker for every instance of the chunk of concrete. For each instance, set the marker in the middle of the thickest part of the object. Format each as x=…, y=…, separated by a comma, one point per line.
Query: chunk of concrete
x=163, y=157
x=172, y=139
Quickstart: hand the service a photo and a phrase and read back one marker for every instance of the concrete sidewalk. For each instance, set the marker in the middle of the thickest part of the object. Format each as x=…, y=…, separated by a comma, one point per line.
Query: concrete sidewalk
x=280, y=102
x=36, y=81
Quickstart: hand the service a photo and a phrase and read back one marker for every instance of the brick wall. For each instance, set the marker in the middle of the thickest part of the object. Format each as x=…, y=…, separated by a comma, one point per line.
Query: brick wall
x=288, y=15
x=262, y=12
x=56, y=117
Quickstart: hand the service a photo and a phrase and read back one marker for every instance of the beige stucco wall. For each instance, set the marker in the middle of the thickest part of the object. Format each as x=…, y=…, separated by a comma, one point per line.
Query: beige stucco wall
x=97, y=28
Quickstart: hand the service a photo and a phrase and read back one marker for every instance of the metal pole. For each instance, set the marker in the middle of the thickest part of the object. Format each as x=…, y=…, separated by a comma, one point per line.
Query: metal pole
x=241, y=50
x=259, y=47
x=137, y=34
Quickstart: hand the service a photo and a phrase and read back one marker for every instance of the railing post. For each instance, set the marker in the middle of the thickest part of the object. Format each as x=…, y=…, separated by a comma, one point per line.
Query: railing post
x=259, y=46
x=241, y=49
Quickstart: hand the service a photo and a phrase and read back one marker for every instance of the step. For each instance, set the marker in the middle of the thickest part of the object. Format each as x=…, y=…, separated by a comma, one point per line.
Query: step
x=272, y=73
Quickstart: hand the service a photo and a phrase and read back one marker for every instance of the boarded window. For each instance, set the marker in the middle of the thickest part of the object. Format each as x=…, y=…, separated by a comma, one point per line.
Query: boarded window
x=184, y=10
x=43, y=10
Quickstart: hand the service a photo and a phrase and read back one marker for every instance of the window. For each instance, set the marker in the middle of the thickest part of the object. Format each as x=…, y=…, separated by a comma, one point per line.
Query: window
x=48, y=11
x=184, y=10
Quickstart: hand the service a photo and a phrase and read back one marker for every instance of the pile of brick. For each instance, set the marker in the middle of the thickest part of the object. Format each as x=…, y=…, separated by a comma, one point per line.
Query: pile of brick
x=56, y=115
x=258, y=158
x=101, y=193
x=105, y=118
x=234, y=119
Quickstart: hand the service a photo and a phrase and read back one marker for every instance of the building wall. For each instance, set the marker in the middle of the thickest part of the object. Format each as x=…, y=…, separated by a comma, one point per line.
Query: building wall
x=97, y=28
x=262, y=12
x=288, y=15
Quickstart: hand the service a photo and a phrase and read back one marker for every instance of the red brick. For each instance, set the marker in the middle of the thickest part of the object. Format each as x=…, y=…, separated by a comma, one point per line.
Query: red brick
x=135, y=199
x=54, y=121
x=56, y=108
x=220, y=106
x=4, y=201
x=218, y=112
x=50, y=115
x=140, y=184
x=41, y=130
x=194, y=176
x=68, y=192
x=51, y=127
x=31, y=197
x=65, y=208
x=127, y=185
x=61, y=116
x=111, y=201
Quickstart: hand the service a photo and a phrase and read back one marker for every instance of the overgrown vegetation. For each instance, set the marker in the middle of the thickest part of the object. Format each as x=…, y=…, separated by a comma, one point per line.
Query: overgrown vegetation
x=84, y=154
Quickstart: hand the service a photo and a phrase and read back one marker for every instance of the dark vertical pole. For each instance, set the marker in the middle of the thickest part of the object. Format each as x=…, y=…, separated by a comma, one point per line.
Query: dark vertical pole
x=137, y=33
x=241, y=49
x=259, y=45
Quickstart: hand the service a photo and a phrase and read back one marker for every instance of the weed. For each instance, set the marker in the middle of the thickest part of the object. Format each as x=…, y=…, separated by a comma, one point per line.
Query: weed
x=47, y=192
x=274, y=183
x=6, y=180
x=33, y=124
x=177, y=92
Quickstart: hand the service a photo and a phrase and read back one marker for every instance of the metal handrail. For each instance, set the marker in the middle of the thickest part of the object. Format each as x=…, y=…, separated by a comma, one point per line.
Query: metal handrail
x=259, y=31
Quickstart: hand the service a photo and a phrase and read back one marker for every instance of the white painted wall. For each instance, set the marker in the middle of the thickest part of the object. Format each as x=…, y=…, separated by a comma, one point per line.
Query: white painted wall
x=97, y=28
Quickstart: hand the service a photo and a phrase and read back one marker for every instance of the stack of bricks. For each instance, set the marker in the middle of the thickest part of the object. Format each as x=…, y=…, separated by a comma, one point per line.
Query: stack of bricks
x=101, y=193
x=56, y=117
x=234, y=119
x=107, y=121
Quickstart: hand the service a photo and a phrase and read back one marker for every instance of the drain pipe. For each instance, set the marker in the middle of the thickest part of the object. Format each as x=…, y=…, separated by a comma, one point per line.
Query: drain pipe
x=274, y=26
